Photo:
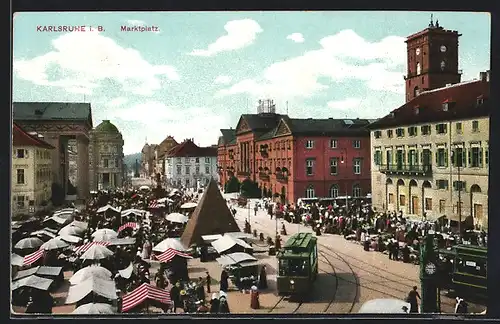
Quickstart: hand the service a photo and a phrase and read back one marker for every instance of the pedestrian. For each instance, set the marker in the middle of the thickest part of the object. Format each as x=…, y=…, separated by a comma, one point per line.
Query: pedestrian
x=208, y=280
x=214, y=304
x=390, y=249
x=263, y=278
x=224, y=284
x=412, y=298
x=175, y=296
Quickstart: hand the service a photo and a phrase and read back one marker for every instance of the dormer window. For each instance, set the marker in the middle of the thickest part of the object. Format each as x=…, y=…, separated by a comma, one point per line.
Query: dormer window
x=447, y=104
x=417, y=110
x=479, y=101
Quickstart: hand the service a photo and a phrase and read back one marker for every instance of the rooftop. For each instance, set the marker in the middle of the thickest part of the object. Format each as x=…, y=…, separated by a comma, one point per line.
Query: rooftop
x=49, y=111
x=465, y=100
x=189, y=149
x=21, y=138
x=107, y=127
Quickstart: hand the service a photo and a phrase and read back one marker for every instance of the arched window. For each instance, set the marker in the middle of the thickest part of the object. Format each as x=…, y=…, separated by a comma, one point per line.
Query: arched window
x=418, y=68
x=334, y=191
x=356, y=190
x=416, y=91
x=310, y=192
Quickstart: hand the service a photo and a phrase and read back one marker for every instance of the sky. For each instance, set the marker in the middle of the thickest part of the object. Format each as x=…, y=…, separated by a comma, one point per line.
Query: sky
x=194, y=73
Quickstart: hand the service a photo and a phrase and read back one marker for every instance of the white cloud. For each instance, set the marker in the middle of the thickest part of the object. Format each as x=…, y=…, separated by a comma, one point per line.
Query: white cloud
x=296, y=37
x=223, y=79
x=118, y=101
x=342, y=57
x=240, y=33
x=136, y=22
x=346, y=104
x=161, y=120
x=85, y=59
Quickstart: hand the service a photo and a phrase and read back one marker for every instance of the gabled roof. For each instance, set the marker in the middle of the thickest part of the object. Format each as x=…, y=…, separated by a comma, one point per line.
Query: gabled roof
x=259, y=122
x=22, y=138
x=228, y=136
x=427, y=107
x=327, y=127
x=211, y=216
x=30, y=111
x=190, y=149
x=168, y=140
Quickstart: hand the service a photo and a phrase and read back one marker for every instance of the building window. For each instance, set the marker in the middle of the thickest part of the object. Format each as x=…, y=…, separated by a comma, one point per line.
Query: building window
x=20, y=176
x=418, y=68
x=442, y=184
x=389, y=133
x=475, y=157
x=197, y=170
x=442, y=205
x=459, y=128
x=442, y=157
x=356, y=144
x=179, y=170
x=486, y=157
x=310, y=192
x=187, y=182
x=207, y=169
x=309, y=144
x=20, y=201
x=459, y=185
x=412, y=131
x=402, y=200
x=207, y=160
x=458, y=158
x=391, y=198
x=20, y=154
x=475, y=126
x=105, y=163
x=425, y=130
x=356, y=190
x=188, y=170
x=441, y=128
x=309, y=167
x=334, y=162
x=117, y=163
x=377, y=157
x=197, y=160
x=333, y=143
x=428, y=203
x=377, y=134
x=357, y=166
x=400, y=132
x=334, y=191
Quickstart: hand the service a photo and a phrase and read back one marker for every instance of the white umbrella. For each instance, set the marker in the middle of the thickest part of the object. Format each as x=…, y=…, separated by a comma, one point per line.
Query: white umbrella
x=189, y=205
x=90, y=272
x=144, y=188
x=96, y=252
x=54, y=244
x=16, y=260
x=97, y=308
x=177, y=218
x=169, y=243
x=71, y=230
x=70, y=238
x=104, y=234
x=29, y=243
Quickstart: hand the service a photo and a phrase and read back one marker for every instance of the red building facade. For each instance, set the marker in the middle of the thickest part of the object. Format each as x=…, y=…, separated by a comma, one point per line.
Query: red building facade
x=297, y=158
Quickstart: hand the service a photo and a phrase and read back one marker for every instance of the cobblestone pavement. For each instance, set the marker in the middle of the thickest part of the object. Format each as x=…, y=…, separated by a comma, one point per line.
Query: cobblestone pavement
x=348, y=275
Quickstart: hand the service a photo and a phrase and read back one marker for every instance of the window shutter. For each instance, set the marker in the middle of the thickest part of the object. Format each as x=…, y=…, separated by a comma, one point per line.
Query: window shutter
x=464, y=161
x=437, y=128
x=481, y=157
x=445, y=128
x=422, y=157
x=454, y=157
x=409, y=157
x=437, y=157
x=470, y=157
x=445, y=158
x=416, y=157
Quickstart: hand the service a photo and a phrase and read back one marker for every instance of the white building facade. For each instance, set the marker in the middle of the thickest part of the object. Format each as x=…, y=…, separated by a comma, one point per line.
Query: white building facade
x=191, y=166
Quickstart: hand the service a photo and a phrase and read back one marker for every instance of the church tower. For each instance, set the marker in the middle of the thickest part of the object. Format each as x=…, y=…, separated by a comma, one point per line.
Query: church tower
x=432, y=59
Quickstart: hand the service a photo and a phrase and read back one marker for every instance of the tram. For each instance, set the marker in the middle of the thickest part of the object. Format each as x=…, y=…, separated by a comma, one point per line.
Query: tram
x=464, y=270
x=297, y=264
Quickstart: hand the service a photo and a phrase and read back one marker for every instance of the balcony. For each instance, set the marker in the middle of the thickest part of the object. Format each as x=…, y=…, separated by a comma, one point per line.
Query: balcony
x=406, y=169
x=263, y=175
x=281, y=177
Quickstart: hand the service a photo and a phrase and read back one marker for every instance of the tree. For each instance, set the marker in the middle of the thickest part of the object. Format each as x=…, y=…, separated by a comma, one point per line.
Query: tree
x=250, y=189
x=233, y=185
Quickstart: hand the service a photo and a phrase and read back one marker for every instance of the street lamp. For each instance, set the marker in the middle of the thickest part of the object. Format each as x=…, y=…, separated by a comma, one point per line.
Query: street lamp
x=457, y=158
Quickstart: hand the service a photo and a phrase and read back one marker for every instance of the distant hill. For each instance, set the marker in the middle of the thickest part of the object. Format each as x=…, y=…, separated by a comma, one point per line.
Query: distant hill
x=129, y=160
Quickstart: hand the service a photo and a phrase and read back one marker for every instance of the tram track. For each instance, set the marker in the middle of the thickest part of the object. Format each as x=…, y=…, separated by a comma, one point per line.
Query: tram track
x=281, y=301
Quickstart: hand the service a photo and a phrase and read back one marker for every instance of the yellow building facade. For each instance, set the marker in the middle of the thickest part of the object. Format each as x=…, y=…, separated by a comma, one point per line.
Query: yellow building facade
x=431, y=156
x=31, y=188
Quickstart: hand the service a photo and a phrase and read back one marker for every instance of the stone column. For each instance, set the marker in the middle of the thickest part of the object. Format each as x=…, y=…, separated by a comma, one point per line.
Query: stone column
x=83, y=167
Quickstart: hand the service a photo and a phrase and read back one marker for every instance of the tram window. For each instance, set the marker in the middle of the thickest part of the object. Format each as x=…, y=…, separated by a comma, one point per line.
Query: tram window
x=476, y=268
x=293, y=267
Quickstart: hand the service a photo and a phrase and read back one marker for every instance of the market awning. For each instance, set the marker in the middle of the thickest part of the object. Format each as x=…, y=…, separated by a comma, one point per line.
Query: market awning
x=131, y=225
x=127, y=272
x=33, y=282
x=239, y=235
x=109, y=207
x=189, y=205
x=101, y=287
x=82, y=225
x=235, y=258
x=227, y=242
x=169, y=243
x=169, y=254
x=92, y=271
x=33, y=257
x=211, y=238
x=122, y=241
x=137, y=212
x=142, y=293
x=40, y=271
x=43, y=232
x=16, y=260
x=83, y=248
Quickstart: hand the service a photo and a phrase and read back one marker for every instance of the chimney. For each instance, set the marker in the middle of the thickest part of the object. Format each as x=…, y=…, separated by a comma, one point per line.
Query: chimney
x=482, y=76
x=488, y=76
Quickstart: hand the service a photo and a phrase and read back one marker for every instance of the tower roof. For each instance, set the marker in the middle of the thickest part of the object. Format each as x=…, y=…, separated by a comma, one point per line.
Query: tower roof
x=211, y=216
x=107, y=127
